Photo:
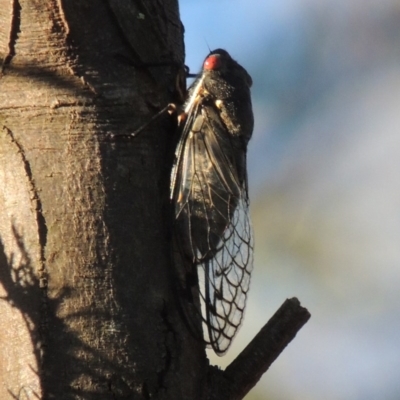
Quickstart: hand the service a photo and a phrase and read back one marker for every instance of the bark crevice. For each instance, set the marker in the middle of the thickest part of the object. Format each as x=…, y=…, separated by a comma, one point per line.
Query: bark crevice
x=13, y=37
x=38, y=279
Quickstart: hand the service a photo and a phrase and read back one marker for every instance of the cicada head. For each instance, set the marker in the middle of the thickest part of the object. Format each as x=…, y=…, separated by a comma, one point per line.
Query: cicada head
x=219, y=64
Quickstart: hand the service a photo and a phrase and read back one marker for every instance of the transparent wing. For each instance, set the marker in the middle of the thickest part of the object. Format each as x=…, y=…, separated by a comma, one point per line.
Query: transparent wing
x=209, y=188
x=225, y=281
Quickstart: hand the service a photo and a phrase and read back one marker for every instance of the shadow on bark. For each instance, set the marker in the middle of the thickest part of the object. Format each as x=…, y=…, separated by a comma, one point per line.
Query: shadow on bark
x=27, y=294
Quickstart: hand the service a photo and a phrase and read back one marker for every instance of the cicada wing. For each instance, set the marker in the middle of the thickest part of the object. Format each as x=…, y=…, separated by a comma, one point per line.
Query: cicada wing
x=225, y=281
x=212, y=221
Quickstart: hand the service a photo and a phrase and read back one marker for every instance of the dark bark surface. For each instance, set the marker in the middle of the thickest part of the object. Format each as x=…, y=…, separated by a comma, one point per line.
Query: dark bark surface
x=83, y=243
x=88, y=303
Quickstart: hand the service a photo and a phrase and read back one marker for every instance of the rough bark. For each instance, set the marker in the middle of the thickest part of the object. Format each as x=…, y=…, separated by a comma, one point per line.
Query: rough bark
x=88, y=303
x=87, y=299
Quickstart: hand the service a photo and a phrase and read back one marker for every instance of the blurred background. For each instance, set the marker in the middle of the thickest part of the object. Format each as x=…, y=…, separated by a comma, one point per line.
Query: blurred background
x=324, y=173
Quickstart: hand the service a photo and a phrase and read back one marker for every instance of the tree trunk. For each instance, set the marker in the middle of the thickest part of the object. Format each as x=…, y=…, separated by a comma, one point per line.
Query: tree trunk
x=88, y=307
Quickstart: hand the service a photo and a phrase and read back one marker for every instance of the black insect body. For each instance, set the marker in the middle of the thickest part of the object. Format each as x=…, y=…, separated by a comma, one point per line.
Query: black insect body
x=210, y=194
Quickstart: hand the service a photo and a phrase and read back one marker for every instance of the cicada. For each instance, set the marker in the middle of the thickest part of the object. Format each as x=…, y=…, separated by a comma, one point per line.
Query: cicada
x=209, y=193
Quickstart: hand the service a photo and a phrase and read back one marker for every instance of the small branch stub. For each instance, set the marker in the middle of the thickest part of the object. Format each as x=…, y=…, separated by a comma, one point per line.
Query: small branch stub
x=246, y=370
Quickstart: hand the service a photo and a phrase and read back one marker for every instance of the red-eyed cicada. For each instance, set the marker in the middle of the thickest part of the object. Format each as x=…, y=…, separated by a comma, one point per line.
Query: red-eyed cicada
x=209, y=193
